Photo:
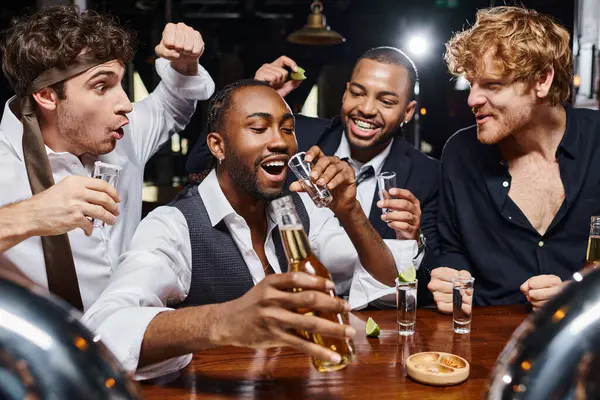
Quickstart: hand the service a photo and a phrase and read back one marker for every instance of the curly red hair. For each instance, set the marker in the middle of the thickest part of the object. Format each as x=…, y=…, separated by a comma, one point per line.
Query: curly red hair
x=525, y=44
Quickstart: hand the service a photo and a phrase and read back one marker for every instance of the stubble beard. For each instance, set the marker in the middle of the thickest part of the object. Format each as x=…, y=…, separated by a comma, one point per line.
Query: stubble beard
x=74, y=130
x=247, y=179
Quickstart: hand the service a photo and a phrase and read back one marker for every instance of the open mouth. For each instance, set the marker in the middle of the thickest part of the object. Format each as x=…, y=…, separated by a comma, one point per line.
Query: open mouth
x=482, y=118
x=363, y=128
x=118, y=133
x=274, y=169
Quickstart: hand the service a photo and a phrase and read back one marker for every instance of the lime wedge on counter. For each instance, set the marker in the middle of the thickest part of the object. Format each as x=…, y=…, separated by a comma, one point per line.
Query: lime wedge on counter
x=299, y=75
x=372, y=329
x=408, y=275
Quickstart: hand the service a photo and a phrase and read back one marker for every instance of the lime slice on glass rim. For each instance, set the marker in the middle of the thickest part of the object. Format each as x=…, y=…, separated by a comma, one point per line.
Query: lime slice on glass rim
x=408, y=275
x=372, y=329
x=298, y=75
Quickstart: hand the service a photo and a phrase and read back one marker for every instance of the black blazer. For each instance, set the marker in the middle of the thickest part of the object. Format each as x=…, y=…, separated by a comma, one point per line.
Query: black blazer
x=414, y=171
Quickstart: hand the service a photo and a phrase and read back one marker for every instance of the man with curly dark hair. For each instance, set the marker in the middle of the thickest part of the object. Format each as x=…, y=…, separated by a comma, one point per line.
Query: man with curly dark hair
x=70, y=110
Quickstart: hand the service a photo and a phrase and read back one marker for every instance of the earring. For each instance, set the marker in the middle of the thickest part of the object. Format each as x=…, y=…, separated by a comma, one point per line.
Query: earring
x=220, y=160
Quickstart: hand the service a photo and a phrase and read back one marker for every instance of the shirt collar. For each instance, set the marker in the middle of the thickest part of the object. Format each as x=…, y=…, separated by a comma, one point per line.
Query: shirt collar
x=12, y=128
x=376, y=162
x=217, y=205
x=568, y=144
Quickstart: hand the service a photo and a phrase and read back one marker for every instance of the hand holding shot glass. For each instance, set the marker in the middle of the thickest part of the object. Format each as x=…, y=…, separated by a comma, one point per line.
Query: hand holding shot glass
x=400, y=209
x=462, y=303
x=319, y=195
x=386, y=181
x=108, y=173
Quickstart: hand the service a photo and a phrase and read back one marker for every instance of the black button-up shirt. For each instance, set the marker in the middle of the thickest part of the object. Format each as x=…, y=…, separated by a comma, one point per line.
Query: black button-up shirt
x=483, y=231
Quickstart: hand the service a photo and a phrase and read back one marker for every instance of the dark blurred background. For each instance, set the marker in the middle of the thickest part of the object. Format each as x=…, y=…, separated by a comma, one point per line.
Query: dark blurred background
x=241, y=35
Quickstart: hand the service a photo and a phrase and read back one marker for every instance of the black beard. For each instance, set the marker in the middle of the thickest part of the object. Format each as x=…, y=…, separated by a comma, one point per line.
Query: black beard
x=246, y=178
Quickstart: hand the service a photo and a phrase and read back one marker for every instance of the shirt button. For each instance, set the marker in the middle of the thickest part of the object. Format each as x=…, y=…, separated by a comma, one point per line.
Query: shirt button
x=505, y=183
x=541, y=243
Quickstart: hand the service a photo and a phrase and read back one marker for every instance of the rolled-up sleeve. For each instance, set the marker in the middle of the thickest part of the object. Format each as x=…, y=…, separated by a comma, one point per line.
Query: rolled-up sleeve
x=366, y=289
x=196, y=87
x=153, y=273
x=168, y=109
x=123, y=331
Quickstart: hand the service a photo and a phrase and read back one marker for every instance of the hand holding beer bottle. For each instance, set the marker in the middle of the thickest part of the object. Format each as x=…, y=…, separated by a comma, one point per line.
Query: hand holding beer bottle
x=302, y=259
x=265, y=316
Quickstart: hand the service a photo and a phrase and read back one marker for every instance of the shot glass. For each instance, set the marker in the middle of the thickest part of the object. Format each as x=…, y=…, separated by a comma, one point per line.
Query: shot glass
x=108, y=173
x=406, y=306
x=385, y=181
x=320, y=196
x=462, y=303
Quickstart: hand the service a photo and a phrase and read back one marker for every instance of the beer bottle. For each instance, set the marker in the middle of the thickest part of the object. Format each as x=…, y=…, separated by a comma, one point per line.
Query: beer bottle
x=302, y=259
x=592, y=258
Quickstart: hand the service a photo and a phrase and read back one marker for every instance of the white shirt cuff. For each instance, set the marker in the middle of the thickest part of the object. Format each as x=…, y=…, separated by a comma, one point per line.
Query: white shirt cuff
x=163, y=368
x=418, y=260
x=365, y=289
x=199, y=87
x=123, y=333
x=404, y=252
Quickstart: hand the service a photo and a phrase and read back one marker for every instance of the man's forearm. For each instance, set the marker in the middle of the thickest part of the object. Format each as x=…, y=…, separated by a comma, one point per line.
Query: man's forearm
x=374, y=255
x=14, y=228
x=176, y=333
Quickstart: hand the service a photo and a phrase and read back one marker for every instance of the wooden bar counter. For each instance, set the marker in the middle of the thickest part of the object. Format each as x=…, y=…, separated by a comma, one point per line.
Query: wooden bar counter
x=377, y=371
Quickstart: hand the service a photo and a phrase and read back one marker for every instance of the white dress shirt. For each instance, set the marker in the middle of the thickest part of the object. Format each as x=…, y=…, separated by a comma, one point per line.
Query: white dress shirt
x=365, y=193
x=165, y=111
x=156, y=270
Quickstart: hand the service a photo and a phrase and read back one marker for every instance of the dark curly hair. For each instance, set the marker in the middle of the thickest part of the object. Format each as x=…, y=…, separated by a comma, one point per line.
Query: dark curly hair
x=54, y=37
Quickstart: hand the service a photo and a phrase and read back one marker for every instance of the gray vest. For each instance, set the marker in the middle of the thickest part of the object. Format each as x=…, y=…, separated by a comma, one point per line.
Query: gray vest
x=219, y=273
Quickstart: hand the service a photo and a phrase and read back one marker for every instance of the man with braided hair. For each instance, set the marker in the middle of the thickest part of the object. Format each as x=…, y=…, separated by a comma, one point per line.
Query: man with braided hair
x=69, y=112
x=378, y=101
x=216, y=250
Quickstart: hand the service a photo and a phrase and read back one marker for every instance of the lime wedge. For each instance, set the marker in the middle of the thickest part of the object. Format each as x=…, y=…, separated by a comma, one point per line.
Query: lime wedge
x=299, y=75
x=408, y=275
x=372, y=329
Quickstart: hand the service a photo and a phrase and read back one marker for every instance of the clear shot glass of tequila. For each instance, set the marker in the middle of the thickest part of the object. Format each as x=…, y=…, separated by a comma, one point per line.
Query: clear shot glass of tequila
x=385, y=182
x=320, y=196
x=108, y=173
x=406, y=306
x=462, y=303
